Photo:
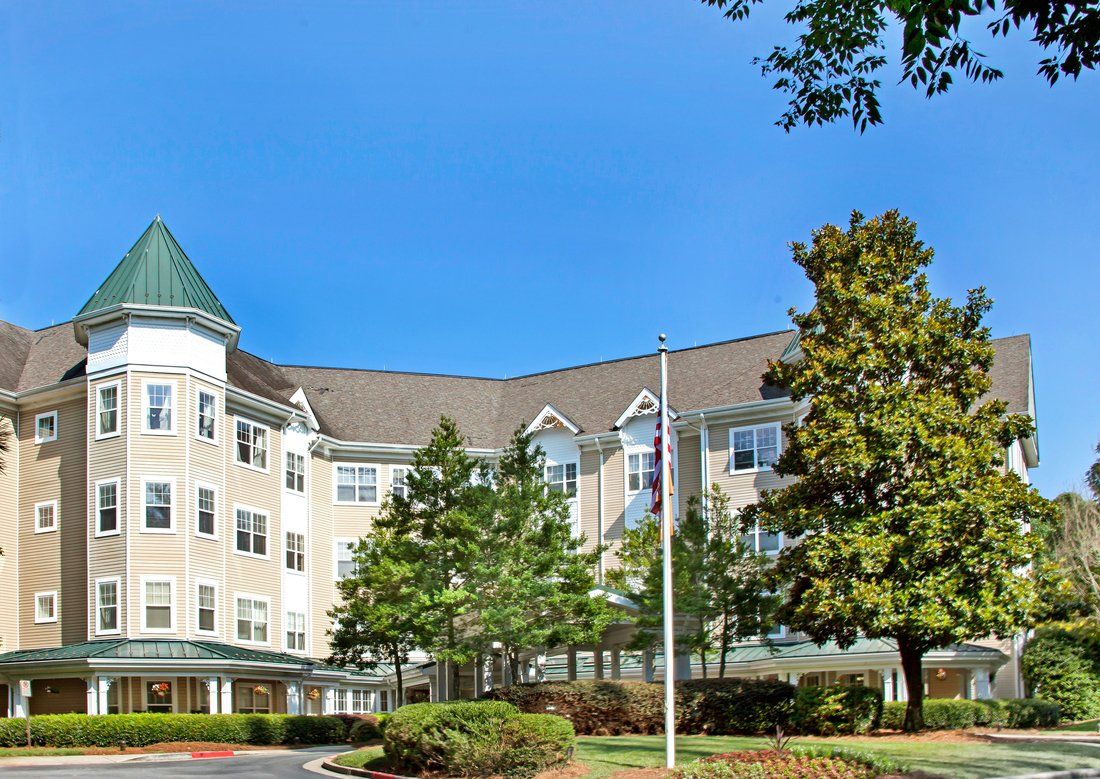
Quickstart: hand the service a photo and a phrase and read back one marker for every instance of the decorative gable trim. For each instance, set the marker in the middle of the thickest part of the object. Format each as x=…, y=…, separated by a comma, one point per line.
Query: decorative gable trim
x=645, y=403
x=550, y=418
x=300, y=400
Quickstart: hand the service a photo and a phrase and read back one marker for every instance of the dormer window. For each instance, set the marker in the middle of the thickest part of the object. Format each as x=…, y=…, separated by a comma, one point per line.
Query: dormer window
x=158, y=407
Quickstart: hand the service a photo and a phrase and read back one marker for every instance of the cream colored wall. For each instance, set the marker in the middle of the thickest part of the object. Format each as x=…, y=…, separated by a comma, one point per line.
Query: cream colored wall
x=320, y=564
x=9, y=534
x=55, y=560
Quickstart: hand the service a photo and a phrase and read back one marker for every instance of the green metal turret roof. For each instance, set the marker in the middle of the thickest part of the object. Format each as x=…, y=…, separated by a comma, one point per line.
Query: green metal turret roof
x=156, y=272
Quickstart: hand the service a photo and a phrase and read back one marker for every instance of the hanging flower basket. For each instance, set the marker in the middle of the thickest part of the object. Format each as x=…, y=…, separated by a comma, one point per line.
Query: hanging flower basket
x=941, y=673
x=259, y=689
x=314, y=694
x=161, y=689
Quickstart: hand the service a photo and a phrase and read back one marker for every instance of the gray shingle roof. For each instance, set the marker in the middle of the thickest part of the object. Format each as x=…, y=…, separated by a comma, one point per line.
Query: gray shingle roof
x=389, y=407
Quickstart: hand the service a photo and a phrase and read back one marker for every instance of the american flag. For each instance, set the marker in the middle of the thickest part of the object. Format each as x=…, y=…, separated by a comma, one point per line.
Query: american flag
x=658, y=470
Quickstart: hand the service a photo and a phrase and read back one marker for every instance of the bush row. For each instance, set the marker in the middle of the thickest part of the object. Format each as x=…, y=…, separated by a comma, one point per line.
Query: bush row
x=831, y=711
x=1061, y=663
x=947, y=714
x=476, y=738
x=107, y=730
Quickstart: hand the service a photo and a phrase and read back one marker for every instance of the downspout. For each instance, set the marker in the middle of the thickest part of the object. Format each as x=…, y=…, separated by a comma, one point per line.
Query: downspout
x=704, y=465
x=599, y=510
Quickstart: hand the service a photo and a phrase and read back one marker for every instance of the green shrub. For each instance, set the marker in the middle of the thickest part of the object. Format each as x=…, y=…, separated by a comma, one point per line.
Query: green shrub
x=1061, y=664
x=1032, y=713
x=830, y=711
x=107, y=730
x=365, y=728
x=948, y=714
x=467, y=738
x=801, y=762
x=713, y=706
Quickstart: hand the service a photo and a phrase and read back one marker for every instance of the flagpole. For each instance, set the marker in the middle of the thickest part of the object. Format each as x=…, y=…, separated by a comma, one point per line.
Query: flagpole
x=666, y=564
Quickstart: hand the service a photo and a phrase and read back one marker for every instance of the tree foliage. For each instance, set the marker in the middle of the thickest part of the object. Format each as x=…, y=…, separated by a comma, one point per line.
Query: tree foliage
x=1076, y=549
x=833, y=71
x=910, y=528
x=719, y=585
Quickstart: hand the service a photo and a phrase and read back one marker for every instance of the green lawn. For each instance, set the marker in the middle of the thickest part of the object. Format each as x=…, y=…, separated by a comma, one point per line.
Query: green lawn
x=1089, y=726
x=38, y=751
x=367, y=757
x=964, y=760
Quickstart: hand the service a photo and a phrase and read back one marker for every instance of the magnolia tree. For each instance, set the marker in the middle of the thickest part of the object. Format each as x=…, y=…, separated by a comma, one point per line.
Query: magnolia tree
x=909, y=527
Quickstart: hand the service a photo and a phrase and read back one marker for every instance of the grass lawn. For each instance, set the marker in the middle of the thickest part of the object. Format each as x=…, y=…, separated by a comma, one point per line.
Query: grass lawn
x=37, y=751
x=1089, y=726
x=961, y=759
x=367, y=757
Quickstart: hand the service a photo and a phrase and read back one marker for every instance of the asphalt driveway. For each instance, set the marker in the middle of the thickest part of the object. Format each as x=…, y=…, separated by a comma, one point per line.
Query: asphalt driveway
x=287, y=763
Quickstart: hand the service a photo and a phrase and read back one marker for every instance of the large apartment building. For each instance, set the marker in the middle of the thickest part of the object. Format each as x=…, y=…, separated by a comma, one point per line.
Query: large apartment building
x=175, y=512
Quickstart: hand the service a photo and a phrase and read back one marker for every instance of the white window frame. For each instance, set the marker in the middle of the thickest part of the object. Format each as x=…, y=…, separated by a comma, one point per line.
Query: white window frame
x=287, y=454
x=756, y=532
x=393, y=469
x=202, y=485
x=336, y=544
x=564, y=477
x=56, y=512
x=56, y=427
x=336, y=484
x=117, y=630
x=201, y=582
x=171, y=581
x=638, y=451
x=117, y=385
x=757, y=468
x=267, y=532
x=172, y=507
x=239, y=596
x=174, y=407
x=305, y=632
x=287, y=550
x=52, y=595
x=198, y=404
x=237, y=420
x=99, y=531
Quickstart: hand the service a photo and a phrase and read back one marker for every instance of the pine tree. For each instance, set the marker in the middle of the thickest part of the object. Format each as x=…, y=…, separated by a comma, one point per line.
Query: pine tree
x=909, y=528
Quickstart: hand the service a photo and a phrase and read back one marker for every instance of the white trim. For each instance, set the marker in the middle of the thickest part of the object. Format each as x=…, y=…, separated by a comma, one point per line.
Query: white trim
x=153, y=579
x=56, y=427
x=548, y=411
x=286, y=550
x=199, y=580
x=173, y=416
x=205, y=485
x=336, y=485
x=199, y=391
x=335, y=557
x=305, y=472
x=56, y=607
x=305, y=631
x=267, y=531
x=777, y=426
x=117, y=384
x=628, y=452
x=407, y=468
x=56, y=516
x=237, y=596
x=117, y=581
x=238, y=419
x=118, y=508
x=145, y=481
x=632, y=409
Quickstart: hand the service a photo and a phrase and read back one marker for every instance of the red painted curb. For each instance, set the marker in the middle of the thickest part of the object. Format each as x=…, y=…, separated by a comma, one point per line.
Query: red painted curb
x=207, y=755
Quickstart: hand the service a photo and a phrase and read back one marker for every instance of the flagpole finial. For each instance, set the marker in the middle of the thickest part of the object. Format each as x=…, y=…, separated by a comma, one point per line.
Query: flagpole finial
x=662, y=338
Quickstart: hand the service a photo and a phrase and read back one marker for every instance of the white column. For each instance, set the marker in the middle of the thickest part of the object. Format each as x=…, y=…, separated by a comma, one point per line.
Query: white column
x=20, y=706
x=888, y=691
x=900, y=689
x=683, y=665
x=647, y=665
x=571, y=664
x=328, y=700
x=92, y=695
x=979, y=680
x=293, y=697
x=103, y=686
x=226, y=706
x=597, y=663
x=505, y=669
x=616, y=662
x=540, y=667
x=479, y=676
x=212, y=695
x=525, y=671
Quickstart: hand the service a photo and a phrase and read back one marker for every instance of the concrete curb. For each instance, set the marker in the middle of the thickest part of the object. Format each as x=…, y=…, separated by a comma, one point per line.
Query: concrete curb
x=1076, y=773
x=347, y=770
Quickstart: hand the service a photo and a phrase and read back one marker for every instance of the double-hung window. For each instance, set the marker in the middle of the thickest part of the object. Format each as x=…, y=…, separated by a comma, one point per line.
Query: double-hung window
x=252, y=619
x=296, y=631
x=754, y=448
x=639, y=473
x=356, y=484
x=295, y=552
x=158, y=506
x=399, y=486
x=159, y=417
x=45, y=427
x=757, y=540
x=106, y=416
x=207, y=416
x=206, y=510
x=345, y=557
x=45, y=606
x=562, y=478
x=106, y=498
x=106, y=606
x=206, y=599
x=341, y=700
x=295, y=472
x=157, y=614
x=251, y=444
x=360, y=702
x=45, y=517
x=251, y=532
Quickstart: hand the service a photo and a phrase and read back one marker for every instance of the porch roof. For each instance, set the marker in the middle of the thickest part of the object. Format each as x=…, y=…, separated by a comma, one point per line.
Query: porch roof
x=152, y=649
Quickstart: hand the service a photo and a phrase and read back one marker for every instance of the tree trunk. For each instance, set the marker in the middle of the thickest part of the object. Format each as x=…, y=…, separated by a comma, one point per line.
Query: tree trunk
x=911, y=656
x=399, y=696
x=723, y=646
x=703, y=661
x=456, y=687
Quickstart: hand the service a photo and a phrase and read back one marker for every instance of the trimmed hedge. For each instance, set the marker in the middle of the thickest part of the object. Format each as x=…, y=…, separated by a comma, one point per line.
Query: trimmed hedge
x=834, y=710
x=476, y=738
x=107, y=730
x=609, y=708
x=1061, y=663
x=366, y=727
x=948, y=714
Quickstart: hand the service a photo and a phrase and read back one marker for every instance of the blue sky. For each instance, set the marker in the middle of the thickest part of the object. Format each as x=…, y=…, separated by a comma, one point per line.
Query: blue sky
x=496, y=188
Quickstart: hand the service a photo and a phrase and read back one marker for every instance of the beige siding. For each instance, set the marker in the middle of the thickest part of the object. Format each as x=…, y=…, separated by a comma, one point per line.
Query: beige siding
x=614, y=497
x=588, y=493
x=9, y=534
x=687, y=471
x=55, y=560
x=743, y=489
x=106, y=461
x=321, y=564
